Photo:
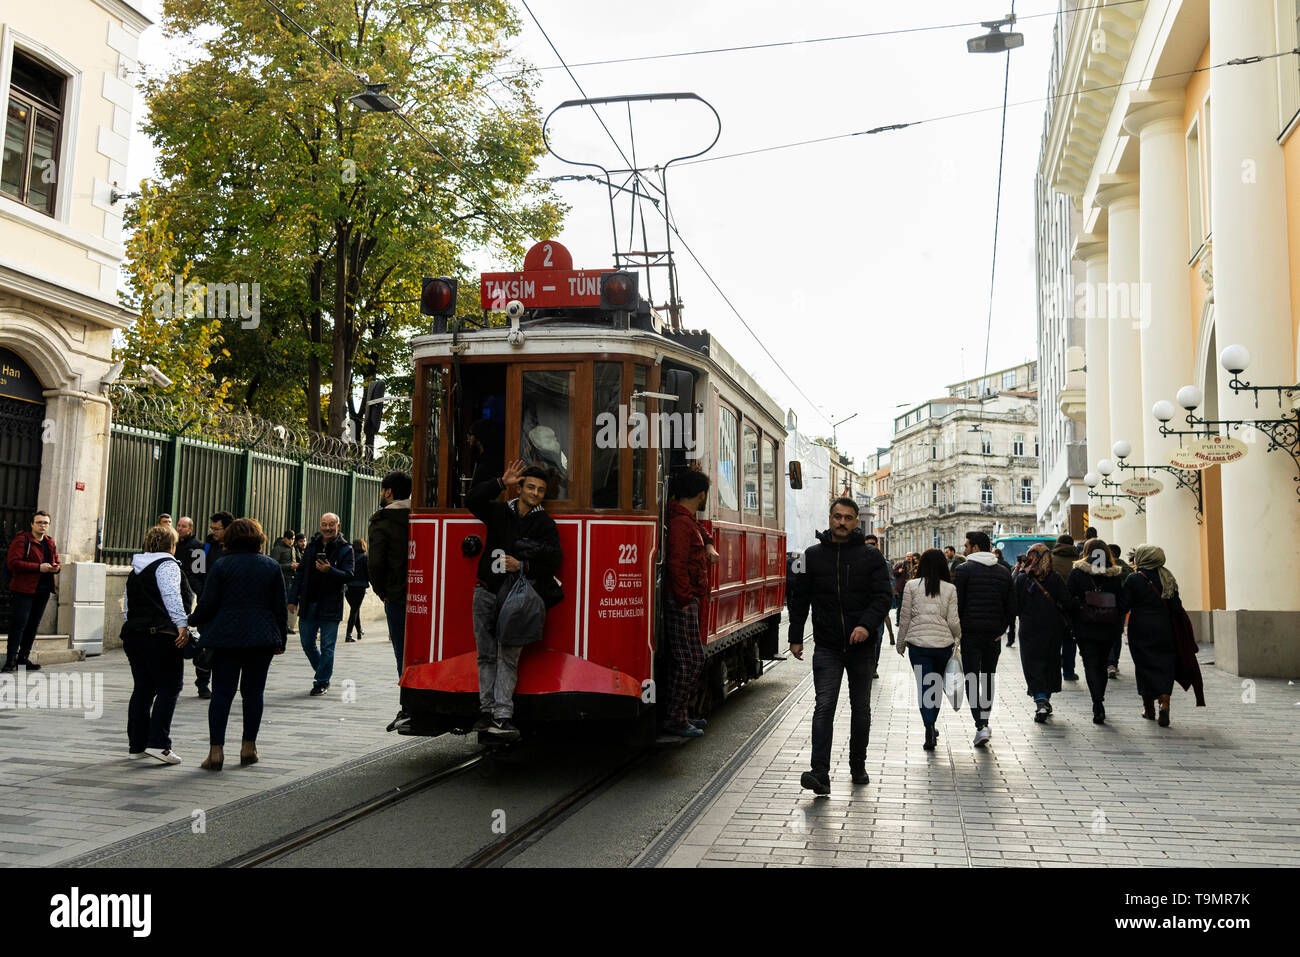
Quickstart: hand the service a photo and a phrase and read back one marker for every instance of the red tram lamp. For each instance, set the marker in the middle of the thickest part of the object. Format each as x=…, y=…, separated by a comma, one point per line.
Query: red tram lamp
x=618, y=291
x=438, y=299
x=995, y=41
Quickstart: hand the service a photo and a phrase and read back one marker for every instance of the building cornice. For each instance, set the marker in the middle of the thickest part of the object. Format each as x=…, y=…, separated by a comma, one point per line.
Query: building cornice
x=79, y=304
x=128, y=14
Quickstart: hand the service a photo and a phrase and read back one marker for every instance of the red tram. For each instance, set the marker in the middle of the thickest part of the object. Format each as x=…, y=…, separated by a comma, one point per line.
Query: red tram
x=611, y=403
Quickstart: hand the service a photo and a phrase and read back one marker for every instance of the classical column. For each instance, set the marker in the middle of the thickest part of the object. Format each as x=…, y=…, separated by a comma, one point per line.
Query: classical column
x=1125, y=297
x=1261, y=516
x=1091, y=250
x=1166, y=327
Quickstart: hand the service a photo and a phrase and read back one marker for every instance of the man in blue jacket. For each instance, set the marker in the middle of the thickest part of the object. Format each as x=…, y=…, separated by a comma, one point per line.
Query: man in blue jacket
x=317, y=597
x=846, y=584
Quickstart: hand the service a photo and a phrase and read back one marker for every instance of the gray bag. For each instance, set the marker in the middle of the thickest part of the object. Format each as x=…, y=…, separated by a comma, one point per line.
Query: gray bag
x=522, y=614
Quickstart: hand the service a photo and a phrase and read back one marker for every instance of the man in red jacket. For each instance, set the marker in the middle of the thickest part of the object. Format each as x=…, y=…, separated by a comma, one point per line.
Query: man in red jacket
x=687, y=587
x=33, y=562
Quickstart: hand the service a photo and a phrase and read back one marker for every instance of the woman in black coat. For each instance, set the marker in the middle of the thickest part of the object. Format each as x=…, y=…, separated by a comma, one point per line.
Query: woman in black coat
x=1096, y=616
x=1148, y=593
x=244, y=619
x=356, y=591
x=1044, y=603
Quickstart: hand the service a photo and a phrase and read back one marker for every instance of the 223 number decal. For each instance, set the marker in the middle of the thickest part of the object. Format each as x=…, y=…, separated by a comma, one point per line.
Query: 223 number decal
x=627, y=554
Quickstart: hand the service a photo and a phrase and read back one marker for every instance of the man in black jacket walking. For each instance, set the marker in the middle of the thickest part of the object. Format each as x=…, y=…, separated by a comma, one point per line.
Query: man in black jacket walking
x=986, y=603
x=846, y=584
x=317, y=598
x=521, y=537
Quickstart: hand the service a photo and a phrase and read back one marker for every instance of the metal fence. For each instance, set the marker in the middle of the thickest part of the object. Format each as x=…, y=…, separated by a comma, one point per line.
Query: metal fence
x=152, y=472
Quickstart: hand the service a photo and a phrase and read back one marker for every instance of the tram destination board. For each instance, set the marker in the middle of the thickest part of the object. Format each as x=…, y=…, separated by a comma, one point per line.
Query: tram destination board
x=543, y=289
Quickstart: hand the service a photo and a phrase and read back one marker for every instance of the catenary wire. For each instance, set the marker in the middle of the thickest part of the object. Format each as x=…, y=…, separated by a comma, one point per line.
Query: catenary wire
x=685, y=245
x=1237, y=61
x=811, y=40
x=997, y=216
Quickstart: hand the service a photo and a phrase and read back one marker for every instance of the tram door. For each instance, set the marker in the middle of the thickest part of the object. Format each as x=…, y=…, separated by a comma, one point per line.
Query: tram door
x=22, y=412
x=480, y=427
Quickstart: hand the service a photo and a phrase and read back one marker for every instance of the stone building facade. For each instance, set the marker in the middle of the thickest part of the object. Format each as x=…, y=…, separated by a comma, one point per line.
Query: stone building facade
x=967, y=461
x=67, y=94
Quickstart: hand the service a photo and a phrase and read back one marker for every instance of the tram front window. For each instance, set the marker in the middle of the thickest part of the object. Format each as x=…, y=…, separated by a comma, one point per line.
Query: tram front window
x=606, y=454
x=546, y=426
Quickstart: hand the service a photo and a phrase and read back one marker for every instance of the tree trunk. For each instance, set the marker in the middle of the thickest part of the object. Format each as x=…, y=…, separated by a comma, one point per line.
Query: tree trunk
x=339, y=378
x=314, y=336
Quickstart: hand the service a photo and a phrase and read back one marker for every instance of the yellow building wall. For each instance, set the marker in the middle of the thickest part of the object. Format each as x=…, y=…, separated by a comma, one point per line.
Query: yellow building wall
x=1291, y=160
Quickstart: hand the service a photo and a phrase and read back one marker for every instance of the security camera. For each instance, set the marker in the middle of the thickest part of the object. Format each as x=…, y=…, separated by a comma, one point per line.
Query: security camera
x=114, y=373
x=514, y=309
x=156, y=377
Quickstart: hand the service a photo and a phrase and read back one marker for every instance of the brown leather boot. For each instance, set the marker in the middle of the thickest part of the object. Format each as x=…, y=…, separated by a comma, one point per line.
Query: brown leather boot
x=215, y=759
x=248, y=753
x=1164, y=711
x=1149, y=708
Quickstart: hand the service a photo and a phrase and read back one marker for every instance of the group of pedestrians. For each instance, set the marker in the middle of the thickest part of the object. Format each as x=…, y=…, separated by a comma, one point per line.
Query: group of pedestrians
x=1064, y=598
x=230, y=607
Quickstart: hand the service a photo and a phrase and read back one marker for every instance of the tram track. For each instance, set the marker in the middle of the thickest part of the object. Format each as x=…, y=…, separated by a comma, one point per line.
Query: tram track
x=497, y=854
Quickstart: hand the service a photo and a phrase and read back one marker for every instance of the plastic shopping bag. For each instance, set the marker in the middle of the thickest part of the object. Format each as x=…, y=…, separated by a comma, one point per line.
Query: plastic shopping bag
x=954, y=679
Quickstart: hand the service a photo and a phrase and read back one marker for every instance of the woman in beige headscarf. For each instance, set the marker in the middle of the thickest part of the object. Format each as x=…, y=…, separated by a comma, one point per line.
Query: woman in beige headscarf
x=1148, y=593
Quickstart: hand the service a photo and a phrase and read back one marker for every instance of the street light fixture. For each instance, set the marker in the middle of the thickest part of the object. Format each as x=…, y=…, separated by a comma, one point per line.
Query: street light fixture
x=375, y=100
x=995, y=41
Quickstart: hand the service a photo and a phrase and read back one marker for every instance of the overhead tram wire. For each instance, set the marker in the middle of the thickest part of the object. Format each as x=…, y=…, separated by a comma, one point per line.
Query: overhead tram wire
x=685, y=245
x=830, y=39
x=997, y=218
x=1236, y=61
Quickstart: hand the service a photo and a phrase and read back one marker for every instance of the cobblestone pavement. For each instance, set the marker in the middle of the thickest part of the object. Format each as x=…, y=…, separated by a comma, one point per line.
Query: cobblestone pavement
x=67, y=787
x=1216, y=788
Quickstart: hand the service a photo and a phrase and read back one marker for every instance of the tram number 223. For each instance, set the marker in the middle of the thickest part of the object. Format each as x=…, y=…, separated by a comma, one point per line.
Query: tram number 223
x=627, y=554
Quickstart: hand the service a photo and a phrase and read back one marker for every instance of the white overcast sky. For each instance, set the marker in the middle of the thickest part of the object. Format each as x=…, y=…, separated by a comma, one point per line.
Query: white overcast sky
x=863, y=264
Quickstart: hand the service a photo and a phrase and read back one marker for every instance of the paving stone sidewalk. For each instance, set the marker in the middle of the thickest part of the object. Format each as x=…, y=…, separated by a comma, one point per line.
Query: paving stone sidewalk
x=67, y=787
x=1218, y=787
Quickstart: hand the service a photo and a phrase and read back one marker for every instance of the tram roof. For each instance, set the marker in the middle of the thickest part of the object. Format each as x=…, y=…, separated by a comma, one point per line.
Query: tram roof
x=695, y=346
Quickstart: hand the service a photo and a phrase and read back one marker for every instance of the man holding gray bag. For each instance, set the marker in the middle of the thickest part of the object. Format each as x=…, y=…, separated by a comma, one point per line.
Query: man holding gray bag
x=521, y=555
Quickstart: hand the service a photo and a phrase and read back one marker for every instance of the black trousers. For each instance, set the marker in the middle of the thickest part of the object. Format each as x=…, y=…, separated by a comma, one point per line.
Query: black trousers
x=979, y=657
x=1095, y=653
x=355, y=597
x=1068, y=647
x=23, y=622
x=829, y=664
x=158, y=671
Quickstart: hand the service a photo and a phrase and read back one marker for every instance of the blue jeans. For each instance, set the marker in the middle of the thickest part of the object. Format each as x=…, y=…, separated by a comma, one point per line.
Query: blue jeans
x=927, y=662
x=322, y=661
x=395, y=613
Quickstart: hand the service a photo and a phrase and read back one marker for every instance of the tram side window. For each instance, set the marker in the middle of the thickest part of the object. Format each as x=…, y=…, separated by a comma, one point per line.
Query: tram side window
x=749, y=449
x=638, y=450
x=607, y=388
x=728, y=486
x=769, y=478
x=546, y=426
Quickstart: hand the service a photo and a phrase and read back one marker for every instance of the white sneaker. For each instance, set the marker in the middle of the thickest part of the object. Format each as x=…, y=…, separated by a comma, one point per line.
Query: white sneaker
x=136, y=755
x=982, y=736
x=165, y=755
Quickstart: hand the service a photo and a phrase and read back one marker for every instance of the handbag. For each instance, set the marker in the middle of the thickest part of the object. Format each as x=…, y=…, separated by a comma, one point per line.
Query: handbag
x=522, y=615
x=1100, y=608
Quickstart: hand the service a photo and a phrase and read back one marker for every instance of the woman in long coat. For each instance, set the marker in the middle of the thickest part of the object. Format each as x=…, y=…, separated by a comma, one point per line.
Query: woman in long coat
x=1096, y=616
x=1148, y=593
x=1044, y=602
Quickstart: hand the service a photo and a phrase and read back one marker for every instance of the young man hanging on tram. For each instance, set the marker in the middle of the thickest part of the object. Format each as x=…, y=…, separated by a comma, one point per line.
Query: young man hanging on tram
x=521, y=537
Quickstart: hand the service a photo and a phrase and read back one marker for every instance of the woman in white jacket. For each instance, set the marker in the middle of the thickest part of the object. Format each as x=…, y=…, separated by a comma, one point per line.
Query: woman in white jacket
x=929, y=629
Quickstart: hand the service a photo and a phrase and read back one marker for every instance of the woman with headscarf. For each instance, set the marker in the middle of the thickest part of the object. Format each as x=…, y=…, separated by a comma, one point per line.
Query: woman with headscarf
x=1096, y=616
x=1044, y=605
x=1148, y=593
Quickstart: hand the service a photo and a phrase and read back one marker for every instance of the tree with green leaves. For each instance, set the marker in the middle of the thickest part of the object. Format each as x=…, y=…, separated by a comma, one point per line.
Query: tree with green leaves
x=268, y=174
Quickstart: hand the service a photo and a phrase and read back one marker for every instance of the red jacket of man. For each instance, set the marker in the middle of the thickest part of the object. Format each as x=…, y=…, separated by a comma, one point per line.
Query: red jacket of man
x=25, y=557
x=688, y=558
